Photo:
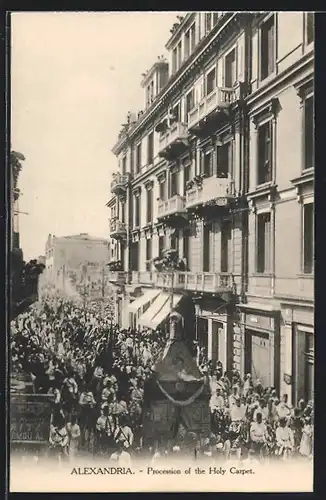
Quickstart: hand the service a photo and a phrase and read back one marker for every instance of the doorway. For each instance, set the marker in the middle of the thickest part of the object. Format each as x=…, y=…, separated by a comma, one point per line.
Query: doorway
x=202, y=334
x=257, y=357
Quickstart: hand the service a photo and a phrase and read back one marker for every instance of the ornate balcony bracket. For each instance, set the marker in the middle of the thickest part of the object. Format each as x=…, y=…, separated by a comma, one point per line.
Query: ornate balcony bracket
x=149, y=184
x=239, y=205
x=135, y=235
x=148, y=230
x=161, y=176
x=137, y=191
x=160, y=228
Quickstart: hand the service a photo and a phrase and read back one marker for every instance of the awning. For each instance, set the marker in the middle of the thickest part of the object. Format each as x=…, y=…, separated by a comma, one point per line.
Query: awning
x=145, y=319
x=148, y=296
x=165, y=311
x=159, y=310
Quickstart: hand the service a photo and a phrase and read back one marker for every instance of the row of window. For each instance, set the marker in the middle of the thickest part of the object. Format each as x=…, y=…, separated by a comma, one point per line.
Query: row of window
x=267, y=58
x=209, y=83
x=174, y=243
x=138, y=156
x=267, y=64
x=267, y=51
x=265, y=148
x=171, y=186
x=223, y=154
x=262, y=248
x=186, y=46
x=264, y=232
x=266, y=139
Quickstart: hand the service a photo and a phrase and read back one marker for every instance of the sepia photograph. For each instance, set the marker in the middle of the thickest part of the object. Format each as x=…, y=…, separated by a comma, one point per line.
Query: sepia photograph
x=161, y=247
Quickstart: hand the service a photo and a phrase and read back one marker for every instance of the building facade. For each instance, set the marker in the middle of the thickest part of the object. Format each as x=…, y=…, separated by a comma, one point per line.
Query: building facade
x=220, y=166
x=76, y=261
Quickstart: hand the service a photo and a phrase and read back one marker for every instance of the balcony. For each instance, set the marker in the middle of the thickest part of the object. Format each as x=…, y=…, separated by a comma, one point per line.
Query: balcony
x=172, y=208
x=142, y=277
x=207, y=282
x=214, y=104
x=212, y=190
x=174, y=141
x=119, y=183
x=192, y=282
x=118, y=229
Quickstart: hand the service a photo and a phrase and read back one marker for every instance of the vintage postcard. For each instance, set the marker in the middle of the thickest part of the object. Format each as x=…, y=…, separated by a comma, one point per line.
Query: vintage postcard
x=162, y=252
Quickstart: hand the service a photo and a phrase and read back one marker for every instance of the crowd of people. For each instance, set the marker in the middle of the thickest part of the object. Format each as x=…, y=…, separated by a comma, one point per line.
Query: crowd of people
x=95, y=372
x=253, y=418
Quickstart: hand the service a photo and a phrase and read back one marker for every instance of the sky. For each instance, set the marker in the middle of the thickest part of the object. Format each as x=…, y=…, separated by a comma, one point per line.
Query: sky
x=74, y=77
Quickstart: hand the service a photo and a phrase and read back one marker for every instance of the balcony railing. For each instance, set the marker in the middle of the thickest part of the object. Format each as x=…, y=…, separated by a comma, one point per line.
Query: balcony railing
x=142, y=277
x=219, y=97
x=196, y=282
x=117, y=229
x=178, y=131
x=173, y=205
x=173, y=141
x=212, y=188
x=118, y=277
x=119, y=183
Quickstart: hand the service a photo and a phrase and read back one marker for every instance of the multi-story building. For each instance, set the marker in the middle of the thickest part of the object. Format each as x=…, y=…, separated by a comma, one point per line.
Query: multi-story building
x=76, y=259
x=220, y=166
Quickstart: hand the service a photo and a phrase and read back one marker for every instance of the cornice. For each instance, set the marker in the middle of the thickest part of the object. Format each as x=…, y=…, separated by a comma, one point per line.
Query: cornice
x=111, y=202
x=271, y=88
x=304, y=178
x=205, y=46
x=186, y=20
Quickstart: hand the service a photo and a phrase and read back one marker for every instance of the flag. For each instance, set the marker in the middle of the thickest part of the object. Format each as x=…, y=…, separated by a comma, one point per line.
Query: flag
x=108, y=351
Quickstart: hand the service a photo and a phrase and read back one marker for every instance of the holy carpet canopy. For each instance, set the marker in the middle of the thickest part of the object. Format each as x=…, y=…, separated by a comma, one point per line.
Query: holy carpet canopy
x=177, y=395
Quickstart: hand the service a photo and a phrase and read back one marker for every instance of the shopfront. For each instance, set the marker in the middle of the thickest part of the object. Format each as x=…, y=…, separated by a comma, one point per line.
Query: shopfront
x=303, y=362
x=298, y=351
x=215, y=336
x=216, y=342
x=261, y=350
x=202, y=333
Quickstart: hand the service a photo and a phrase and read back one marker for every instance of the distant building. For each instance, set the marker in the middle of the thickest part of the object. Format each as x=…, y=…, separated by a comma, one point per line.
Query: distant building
x=75, y=258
